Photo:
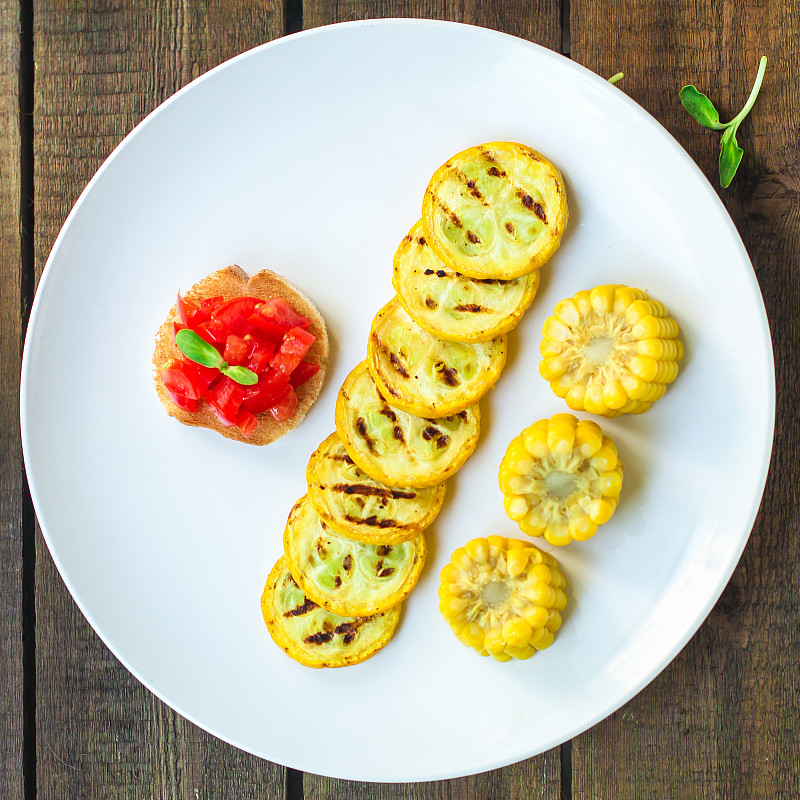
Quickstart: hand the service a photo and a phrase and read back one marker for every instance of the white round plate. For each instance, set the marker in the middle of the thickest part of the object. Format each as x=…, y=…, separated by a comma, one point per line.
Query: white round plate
x=310, y=155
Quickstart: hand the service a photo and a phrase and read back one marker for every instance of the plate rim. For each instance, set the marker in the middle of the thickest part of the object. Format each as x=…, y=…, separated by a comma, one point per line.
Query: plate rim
x=767, y=423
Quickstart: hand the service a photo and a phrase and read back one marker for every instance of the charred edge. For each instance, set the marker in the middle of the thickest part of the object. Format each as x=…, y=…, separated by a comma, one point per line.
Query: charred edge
x=361, y=427
x=373, y=521
x=472, y=308
x=490, y=281
x=421, y=241
x=298, y=611
x=373, y=491
x=430, y=432
x=345, y=458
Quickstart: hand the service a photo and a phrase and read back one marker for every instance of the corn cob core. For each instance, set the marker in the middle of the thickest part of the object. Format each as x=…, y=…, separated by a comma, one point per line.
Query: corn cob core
x=611, y=350
x=502, y=597
x=561, y=479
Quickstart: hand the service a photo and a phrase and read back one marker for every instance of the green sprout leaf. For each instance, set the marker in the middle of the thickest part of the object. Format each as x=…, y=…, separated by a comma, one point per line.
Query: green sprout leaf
x=614, y=78
x=240, y=374
x=700, y=107
x=730, y=156
x=702, y=110
x=197, y=349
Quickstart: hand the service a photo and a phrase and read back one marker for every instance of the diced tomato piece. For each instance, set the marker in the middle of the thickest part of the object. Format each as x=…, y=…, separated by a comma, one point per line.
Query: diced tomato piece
x=266, y=328
x=269, y=390
x=189, y=312
x=259, y=352
x=233, y=314
x=208, y=304
x=213, y=332
x=285, y=407
x=184, y=378
x=177, y=326
x=279, y=312
x=225, y=398
x=181, y=400
x=246, y=422
x=235, y=349
x=293, y=349
x=303, y=371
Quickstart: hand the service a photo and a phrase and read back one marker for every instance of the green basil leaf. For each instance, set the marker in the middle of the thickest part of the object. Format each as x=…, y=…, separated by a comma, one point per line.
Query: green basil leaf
x=730, y=156
x=700, y=107
x=197, y=349
x=240, y=374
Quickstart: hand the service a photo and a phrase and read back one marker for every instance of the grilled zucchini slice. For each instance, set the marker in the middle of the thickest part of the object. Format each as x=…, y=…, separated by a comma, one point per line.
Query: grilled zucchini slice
x=313, y=636
x=450, y=305
x=497, y=210
x=361, y=508
x=425, y=375
x=397, y=448
x=344, y=576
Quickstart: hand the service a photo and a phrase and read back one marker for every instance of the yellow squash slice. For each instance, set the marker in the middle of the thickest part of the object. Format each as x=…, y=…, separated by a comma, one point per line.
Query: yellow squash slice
x=561, y=479
x=313, y=636
x=397, y=448
x=611, y=350
x=497, y=210
x=344, y=576
x=425, y=375
x=450, y=305
x=502, y=597
x=355, y=505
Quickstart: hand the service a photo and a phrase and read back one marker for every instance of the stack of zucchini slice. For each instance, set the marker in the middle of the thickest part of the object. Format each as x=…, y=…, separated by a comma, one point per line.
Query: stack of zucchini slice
x=408, y=416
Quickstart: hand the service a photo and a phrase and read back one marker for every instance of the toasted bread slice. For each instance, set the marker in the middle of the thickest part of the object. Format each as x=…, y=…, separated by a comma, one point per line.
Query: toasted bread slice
x=232, y=282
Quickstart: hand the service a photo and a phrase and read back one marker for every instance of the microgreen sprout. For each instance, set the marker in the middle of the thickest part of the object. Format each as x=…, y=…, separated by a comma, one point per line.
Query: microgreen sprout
x=614, y=78
x=197, y=349
x=703, y=110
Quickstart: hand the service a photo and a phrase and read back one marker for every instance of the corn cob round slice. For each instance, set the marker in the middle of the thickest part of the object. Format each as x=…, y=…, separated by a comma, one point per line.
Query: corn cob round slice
x=361, y=508
x=497, y=210
x=424, y=375
x=313, y=636
x=397, y=448
x=561, y=479
x=611, y=350
x=344, y=576
x=502, y=597
x=450, y=305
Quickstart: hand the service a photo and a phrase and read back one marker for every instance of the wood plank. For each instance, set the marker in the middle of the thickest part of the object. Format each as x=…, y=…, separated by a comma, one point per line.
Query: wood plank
x=11, y=486
x=540, y=22
x=101, y=66
x=722, y=721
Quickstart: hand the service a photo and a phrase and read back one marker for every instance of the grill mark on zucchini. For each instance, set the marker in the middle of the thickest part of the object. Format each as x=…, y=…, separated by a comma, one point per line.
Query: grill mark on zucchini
x=373, y=491
x=472, y=308
x=471, y=186
x=448, y=374
x=397, y=432
x=361, y=427
x=446, y=210
x=429, y=432
x=306, y=606
x=374, y=522
x=532, y=205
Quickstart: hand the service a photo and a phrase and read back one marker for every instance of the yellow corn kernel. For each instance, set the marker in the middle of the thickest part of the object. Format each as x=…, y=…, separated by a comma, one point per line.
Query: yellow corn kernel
x=505, y=606
x=569, y=488
x=610, y=350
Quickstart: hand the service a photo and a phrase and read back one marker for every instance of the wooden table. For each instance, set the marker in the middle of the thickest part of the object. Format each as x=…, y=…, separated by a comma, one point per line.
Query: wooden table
x=722, y=721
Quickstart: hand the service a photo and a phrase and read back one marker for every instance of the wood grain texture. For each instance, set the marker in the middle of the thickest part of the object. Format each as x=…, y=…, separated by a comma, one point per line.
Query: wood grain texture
x=11, y=491
x=540, y=22
x=723, y=720
x=101, y=67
